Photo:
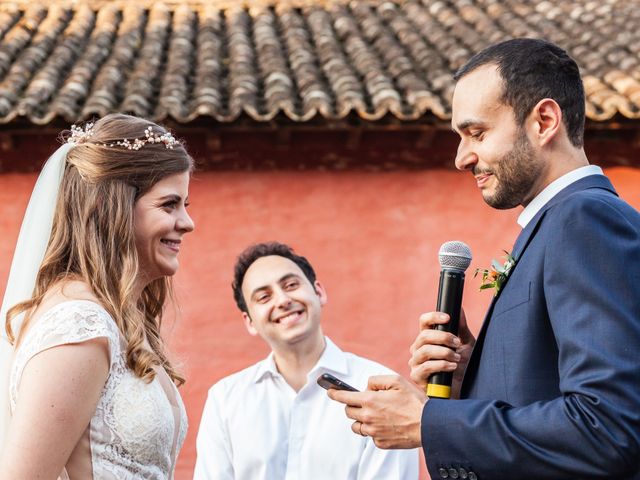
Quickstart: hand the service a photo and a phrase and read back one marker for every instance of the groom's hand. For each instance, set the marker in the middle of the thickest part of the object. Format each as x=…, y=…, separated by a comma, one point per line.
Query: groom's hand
x=389, y=411
x=436, y=351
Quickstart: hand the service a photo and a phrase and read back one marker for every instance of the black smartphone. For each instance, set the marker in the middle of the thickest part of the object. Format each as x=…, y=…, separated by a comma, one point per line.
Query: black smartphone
x=328, y=381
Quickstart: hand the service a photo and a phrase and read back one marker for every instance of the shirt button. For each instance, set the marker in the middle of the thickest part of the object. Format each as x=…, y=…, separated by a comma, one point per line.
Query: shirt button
x=453, y=473
x=463, y=473
x=472, y=476
x=443, y=473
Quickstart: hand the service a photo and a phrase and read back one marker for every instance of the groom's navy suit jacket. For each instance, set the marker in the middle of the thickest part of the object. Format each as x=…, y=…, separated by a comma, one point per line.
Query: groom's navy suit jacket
x=552, y=389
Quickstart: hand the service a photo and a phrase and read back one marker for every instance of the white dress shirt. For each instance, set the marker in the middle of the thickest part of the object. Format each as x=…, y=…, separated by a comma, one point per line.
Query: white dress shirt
x=256, y=427
x=553, y=189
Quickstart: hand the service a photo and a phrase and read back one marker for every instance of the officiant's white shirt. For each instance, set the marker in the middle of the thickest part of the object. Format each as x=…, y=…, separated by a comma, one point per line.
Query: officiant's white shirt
x=553, y=189
x=256, y=427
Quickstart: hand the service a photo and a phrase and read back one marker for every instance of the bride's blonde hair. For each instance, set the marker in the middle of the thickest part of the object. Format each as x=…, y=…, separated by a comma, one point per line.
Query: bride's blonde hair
x=92, y=238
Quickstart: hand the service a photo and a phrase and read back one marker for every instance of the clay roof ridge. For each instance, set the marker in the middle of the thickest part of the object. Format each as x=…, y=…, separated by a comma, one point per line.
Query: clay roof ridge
x=245, y=85
x=46, y=83
x=379, y=93
x=211, y=70
x=278, y=82
x=315, y=93
x=77, y=86
x=340, y=74
x=15, y=58
x=178, y=78
x=142, y=86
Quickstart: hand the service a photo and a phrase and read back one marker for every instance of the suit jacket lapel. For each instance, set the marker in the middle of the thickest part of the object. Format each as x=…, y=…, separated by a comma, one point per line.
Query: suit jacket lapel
x=523, y=240
x=521, y=244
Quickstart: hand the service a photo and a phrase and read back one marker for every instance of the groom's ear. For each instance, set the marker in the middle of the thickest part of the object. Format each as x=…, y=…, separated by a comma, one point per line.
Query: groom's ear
x=248, y=324
x=546, y=117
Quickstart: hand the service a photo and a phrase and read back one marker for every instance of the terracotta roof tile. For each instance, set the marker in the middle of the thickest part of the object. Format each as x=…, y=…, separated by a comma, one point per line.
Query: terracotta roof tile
x=142, y=86
x=298, y=59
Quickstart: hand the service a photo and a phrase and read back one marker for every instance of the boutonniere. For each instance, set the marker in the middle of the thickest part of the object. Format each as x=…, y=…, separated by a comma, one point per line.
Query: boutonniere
x=497, y=274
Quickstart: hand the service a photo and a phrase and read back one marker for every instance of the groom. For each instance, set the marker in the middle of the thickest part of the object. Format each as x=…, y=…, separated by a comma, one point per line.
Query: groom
x=551, y=388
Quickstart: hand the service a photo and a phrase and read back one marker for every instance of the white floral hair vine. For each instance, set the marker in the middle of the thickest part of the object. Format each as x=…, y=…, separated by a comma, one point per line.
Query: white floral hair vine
x=80, y=136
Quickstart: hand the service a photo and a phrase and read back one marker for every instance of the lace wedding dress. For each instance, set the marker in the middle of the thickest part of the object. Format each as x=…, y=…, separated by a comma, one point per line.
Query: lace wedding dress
x=138, y=428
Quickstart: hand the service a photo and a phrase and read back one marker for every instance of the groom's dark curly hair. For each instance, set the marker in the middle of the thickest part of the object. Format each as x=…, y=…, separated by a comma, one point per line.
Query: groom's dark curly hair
x=259, y=250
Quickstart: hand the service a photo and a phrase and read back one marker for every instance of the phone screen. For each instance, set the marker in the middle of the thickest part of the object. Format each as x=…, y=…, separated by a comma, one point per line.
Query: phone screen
x=328, y=381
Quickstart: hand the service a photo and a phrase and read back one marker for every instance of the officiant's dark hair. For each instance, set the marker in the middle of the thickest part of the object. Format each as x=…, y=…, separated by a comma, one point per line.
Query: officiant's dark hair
x=531, y=70
x=259, y=250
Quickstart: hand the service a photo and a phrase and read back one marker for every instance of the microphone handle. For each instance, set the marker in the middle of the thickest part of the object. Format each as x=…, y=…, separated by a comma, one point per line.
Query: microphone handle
x=449, y=302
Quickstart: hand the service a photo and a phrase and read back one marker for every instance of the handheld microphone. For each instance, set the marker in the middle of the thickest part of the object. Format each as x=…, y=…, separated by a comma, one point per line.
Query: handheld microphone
x=454, y=258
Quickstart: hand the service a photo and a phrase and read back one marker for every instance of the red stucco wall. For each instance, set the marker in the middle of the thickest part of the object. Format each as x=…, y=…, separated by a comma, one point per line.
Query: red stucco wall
x=372, y=237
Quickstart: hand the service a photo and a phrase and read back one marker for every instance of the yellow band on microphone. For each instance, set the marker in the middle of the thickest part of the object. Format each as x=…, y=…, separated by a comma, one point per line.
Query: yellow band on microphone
x=438, y=391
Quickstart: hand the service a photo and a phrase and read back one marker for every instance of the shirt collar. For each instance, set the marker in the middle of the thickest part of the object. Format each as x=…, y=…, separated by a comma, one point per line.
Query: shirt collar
x=553, y=189
x=266, y=367
x=332, y=359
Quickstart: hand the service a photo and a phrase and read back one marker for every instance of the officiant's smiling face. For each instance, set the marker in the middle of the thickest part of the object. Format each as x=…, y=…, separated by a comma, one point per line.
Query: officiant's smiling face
x=493, y=147
x=284, y=307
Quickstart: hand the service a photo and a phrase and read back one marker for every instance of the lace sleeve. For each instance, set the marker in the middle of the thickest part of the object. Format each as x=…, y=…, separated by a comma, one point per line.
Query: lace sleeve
x=74, y=321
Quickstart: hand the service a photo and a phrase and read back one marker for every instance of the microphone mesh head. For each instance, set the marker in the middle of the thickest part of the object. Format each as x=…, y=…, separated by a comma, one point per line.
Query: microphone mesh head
x=455, y=255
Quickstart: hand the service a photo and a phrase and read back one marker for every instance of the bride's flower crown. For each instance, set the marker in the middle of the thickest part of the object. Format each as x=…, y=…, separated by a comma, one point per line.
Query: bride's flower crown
x=80, y=135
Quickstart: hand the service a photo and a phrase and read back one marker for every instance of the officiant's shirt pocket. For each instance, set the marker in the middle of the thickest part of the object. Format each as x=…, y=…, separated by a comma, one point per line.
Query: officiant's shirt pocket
x=514, y=298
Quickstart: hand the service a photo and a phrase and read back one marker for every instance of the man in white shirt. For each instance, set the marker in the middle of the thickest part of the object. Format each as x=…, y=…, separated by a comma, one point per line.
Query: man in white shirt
x=272, y=421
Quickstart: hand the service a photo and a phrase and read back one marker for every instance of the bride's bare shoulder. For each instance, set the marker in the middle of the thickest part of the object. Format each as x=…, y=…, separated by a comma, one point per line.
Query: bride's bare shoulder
x=75, y=290
x=65, y=291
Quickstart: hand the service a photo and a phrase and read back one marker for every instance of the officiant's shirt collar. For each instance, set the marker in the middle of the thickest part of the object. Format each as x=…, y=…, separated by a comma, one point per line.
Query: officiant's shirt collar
x=553, y=189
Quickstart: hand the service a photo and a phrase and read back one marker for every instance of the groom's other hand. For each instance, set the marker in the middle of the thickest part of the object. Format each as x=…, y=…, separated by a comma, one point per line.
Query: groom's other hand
x=437, y=351
x=389, y=411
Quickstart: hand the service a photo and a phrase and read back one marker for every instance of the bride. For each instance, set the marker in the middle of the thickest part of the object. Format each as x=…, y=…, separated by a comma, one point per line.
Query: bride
x=91, y=392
